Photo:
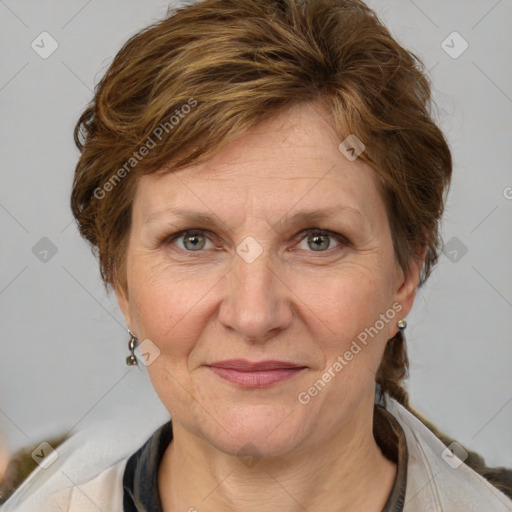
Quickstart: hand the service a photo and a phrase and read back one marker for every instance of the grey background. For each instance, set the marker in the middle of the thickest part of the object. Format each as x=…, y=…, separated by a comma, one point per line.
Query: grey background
x=63, y=339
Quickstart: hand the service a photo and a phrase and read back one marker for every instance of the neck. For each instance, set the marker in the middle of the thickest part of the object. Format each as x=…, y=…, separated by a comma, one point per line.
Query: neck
x=344, y=472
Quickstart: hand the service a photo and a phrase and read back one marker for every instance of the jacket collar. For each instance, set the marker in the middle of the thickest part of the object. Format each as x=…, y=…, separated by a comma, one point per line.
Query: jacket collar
x=436, y=479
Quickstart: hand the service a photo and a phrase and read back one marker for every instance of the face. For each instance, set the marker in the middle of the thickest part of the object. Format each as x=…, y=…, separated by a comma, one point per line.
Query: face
x=228, y=261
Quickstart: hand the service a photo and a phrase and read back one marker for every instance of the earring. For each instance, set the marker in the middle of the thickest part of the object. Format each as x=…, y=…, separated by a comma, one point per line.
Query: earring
x=402, y=324
x=131, y=360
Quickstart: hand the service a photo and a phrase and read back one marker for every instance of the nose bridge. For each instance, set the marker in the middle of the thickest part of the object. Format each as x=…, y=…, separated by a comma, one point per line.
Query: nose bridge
x=253, y=277
x=254, y=304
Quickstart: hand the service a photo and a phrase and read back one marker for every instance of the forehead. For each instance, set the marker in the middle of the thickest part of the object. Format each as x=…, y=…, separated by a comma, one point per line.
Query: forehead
x=290, y=162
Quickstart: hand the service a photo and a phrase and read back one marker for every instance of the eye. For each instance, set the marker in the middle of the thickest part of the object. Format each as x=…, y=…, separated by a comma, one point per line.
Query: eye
x=193, y=240
x=319, y=239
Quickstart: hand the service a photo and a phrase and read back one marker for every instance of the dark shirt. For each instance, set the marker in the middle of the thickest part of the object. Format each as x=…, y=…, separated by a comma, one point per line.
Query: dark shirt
x=140, y=479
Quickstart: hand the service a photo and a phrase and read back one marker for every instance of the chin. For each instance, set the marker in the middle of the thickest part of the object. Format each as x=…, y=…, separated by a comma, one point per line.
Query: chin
x=257, y=430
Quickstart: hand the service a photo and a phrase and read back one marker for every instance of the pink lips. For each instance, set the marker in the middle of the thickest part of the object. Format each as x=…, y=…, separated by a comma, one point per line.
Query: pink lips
x=255, y=375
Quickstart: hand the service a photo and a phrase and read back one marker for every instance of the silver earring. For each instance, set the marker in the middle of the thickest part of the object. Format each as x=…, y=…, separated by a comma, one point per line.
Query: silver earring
x=131, y=360
x=402, y=324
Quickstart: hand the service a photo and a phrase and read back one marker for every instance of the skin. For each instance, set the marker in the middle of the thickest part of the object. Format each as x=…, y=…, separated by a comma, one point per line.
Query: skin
x=292, y=303
x=4, y=459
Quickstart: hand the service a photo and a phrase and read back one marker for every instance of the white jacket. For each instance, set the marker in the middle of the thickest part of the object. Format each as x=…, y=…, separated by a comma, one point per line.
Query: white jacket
x=87, y=475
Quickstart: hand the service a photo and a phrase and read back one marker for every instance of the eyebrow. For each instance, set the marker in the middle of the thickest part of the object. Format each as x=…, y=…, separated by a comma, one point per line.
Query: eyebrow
x=298, y=218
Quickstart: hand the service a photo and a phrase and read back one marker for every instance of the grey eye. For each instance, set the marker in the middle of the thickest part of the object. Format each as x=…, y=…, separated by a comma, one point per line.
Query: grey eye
x=194, y=242
x=319, y=242
x=191, y=241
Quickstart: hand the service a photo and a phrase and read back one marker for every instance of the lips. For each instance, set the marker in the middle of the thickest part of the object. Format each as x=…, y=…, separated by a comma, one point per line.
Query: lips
x=249, y=374
x=248, y=366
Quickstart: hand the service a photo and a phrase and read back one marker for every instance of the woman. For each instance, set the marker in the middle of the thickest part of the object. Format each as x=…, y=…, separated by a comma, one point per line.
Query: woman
x=263, y=185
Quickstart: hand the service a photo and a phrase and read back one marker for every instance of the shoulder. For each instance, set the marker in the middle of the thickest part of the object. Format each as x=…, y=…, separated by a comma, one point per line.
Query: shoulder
x=85, y=472
x=101, y=492
x=438, y=480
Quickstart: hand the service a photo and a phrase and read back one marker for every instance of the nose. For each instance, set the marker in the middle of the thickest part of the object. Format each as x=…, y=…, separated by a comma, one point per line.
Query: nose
x=256, y=304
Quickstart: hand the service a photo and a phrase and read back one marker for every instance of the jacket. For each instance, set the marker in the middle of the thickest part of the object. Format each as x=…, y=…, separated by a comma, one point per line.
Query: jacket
x=88, y=472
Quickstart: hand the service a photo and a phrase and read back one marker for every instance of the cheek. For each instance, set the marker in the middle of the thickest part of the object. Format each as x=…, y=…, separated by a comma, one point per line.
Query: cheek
x=352, y=347
x=171, y=305
x=349, y=300
x=353, y=318
x=167, y=305
x=170, y=312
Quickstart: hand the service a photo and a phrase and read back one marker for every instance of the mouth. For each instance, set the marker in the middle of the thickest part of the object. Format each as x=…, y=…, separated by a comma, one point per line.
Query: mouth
x=255, y=374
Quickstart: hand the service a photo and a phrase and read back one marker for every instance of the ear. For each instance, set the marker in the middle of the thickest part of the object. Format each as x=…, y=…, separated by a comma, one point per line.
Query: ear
x=124, y=303
x=407, y=286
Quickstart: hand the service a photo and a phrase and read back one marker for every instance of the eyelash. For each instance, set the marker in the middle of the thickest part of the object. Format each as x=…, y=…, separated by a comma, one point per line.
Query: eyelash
x=301, y=236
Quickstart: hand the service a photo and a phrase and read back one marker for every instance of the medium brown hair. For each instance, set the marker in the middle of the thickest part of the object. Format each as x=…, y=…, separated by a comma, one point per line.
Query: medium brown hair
x=237, y=63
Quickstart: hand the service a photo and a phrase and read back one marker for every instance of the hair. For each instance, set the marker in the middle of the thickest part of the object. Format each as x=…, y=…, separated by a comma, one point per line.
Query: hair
x=182, y=88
